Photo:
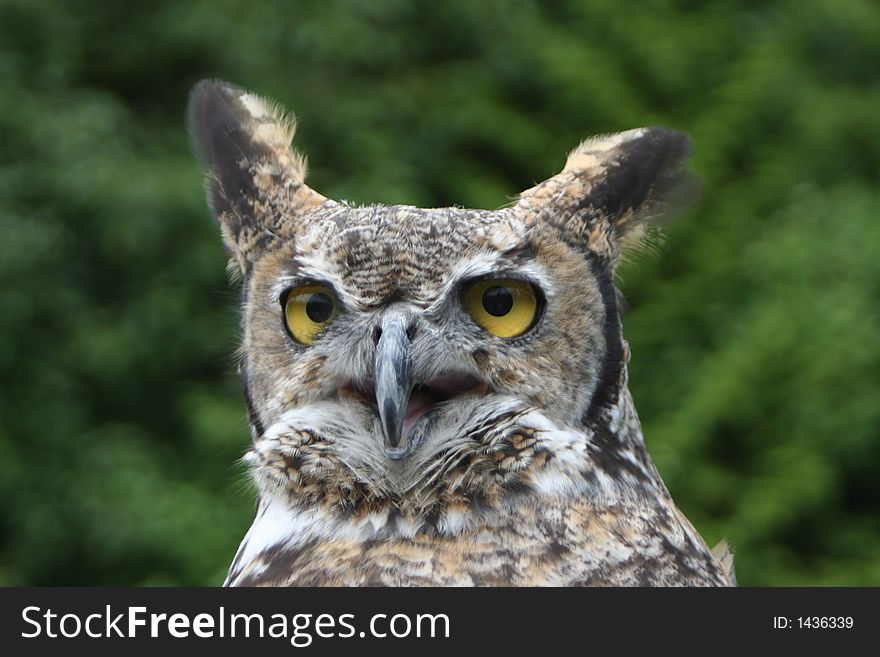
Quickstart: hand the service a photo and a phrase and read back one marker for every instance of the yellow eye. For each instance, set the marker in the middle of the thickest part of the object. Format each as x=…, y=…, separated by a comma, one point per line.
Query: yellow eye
x=308, y=310
x=504, y=307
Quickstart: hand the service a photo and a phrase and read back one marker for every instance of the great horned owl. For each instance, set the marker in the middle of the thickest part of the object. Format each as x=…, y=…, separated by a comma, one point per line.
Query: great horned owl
x=439, y=396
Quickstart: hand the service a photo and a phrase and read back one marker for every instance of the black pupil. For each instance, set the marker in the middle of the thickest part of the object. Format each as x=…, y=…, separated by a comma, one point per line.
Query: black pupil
x=497, y=300
x=319, y=307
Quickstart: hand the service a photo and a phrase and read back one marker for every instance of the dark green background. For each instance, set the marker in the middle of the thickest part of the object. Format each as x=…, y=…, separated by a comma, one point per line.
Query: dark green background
x=754, y=329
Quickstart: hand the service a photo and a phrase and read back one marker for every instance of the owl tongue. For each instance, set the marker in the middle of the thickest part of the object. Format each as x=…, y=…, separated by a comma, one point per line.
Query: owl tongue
x=426, y=396
x=418, y=405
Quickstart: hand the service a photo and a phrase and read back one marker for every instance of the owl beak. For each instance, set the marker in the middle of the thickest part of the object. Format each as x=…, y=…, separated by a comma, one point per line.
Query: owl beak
x=393, y=382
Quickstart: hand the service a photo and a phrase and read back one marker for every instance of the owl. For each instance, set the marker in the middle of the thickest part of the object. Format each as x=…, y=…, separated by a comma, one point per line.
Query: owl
x=439, y=396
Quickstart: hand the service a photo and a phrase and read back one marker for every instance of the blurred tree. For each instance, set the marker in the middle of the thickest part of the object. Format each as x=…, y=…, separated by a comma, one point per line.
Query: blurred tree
x=755, y=330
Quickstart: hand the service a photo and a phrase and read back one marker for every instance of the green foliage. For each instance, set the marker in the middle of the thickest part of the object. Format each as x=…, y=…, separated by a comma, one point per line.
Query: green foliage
x=755, y=331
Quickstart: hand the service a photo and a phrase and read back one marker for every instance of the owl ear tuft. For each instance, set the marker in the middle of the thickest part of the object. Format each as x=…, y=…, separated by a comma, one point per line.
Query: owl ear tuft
x=255, y=180
x=614, y=186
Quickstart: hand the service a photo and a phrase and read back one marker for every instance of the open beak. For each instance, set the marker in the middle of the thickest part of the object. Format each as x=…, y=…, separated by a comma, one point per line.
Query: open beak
x=393, y=382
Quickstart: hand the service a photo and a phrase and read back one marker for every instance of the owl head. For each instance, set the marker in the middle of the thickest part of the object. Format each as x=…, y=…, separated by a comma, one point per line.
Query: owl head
x=416, y=357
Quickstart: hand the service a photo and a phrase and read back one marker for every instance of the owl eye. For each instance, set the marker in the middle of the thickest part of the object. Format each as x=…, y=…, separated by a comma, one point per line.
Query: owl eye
x=308, y=310
x=505, y=307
